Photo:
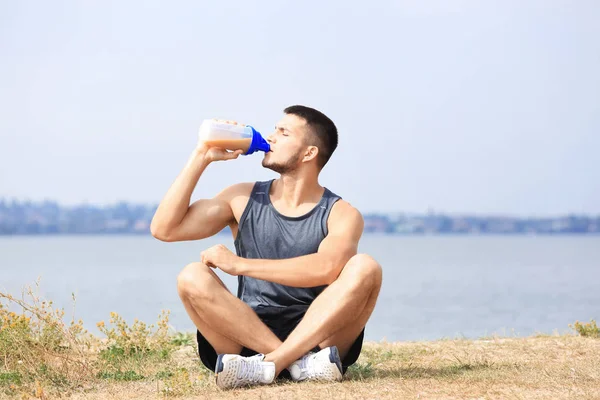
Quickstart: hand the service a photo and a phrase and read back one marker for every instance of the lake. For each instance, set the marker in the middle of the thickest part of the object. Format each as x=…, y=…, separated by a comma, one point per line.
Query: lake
x=433, y=286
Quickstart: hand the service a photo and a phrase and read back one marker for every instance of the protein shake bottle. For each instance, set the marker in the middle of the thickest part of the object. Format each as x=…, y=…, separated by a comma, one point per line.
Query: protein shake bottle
x=232, y=137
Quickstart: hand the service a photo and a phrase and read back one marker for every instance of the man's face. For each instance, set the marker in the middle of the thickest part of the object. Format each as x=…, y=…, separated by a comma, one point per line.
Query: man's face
x=288, y=145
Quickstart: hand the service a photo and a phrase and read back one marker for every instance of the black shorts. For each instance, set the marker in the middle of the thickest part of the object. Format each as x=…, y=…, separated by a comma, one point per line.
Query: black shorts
x=208, y=355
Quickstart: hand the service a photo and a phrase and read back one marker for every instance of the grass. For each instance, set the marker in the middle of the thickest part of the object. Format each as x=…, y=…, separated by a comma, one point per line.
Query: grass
x=589, y=329
x=43, y=357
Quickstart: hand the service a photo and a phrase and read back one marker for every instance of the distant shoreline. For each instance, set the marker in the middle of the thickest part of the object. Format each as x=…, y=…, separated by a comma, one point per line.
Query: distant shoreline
x=50, y=218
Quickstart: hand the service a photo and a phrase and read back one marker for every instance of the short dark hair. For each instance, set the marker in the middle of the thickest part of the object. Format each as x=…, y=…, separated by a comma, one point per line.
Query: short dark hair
x=323, y=128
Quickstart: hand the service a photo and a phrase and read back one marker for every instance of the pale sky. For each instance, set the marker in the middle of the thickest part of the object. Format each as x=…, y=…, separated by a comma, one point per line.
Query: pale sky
x=460, y=106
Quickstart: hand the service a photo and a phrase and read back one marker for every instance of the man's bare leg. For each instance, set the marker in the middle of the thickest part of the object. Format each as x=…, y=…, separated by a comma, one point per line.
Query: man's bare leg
x=344, y=338
x=223, y=319
x=337, y=315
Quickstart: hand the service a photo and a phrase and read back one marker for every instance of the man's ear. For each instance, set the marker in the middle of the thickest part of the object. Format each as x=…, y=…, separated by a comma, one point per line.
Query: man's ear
x=311, y=153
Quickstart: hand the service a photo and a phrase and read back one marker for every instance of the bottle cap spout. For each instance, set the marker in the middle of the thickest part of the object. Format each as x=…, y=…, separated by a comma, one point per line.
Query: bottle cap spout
x=258, y=142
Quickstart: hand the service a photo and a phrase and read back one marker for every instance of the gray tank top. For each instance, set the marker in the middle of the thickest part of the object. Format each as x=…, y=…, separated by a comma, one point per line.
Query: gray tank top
x=264, y=233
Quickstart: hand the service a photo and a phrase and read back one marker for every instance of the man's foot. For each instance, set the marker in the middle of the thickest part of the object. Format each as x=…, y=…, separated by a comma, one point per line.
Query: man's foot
x=234, y=371
x=322, y=366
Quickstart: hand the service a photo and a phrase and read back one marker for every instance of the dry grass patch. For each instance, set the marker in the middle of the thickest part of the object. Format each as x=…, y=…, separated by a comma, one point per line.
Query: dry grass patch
x=41, y=356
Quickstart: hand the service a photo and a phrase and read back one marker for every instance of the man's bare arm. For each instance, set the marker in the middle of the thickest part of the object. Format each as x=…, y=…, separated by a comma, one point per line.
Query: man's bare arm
x=176, y=220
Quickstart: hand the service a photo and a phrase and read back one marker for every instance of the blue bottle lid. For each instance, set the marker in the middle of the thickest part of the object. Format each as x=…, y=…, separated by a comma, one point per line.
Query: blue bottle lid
x=257, y=143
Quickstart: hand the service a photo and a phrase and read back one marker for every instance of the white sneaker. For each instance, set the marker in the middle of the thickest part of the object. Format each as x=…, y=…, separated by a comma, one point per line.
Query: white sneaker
x=322, y=366
x=234, y=371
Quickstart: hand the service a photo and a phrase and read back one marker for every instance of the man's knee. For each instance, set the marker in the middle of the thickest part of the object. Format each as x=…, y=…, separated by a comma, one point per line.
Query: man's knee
x=364, y=269
x=195, y=281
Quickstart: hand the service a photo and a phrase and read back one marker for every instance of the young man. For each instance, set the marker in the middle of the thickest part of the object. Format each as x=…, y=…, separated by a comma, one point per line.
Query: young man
x=304, y=294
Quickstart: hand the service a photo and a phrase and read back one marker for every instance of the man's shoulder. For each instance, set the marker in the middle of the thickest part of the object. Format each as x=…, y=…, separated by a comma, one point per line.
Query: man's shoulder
x=343, y=210
x=238, y=197
x=238, y=189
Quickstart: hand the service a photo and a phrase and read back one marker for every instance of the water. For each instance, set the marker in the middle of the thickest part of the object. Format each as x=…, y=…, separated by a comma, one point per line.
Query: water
x=434, y=287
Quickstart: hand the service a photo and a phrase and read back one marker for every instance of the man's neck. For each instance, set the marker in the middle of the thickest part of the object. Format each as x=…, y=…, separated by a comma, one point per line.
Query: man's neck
x=294, y=191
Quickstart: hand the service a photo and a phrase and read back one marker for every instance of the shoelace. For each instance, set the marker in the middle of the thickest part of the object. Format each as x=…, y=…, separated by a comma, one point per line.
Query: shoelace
x=304, y=361
x=249, y=371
